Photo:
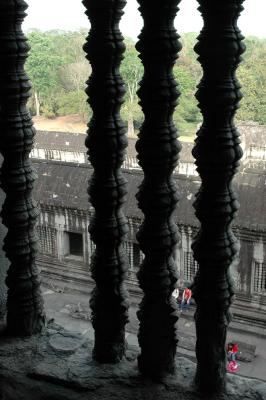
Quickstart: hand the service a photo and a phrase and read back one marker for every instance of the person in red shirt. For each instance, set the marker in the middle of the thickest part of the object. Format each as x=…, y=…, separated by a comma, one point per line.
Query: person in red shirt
x=235, y=348
x=185, y=299
x=232, y=351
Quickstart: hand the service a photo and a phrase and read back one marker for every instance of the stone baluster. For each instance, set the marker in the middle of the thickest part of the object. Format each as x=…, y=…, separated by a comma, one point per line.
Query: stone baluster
x=106, y=142
x=217, y=152
x=25, y=314
x=158, y=150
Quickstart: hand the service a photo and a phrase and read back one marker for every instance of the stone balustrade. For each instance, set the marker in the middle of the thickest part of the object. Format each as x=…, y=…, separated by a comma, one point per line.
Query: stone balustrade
x=217, y=153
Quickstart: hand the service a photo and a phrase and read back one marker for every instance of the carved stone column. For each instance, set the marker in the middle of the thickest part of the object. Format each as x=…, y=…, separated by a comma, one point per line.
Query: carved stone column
x=106, y=142
x=158, y=150
x=24, y=304
x=3, y=260
x=217, y=152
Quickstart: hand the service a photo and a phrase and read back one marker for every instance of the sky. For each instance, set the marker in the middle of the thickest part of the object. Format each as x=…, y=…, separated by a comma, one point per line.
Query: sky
x=69, y=15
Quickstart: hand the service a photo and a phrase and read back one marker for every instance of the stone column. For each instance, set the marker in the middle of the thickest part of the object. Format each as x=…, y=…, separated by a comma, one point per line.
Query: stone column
x=25, y=314
x=158, y=150
x=106, y=142
x=217, y=152
x=3, y=260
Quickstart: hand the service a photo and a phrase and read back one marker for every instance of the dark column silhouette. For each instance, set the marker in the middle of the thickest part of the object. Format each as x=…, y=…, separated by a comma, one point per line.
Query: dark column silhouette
x=3, y=260
x=158, y=150
x=106, y=142
x=217, y=152
x=24, y=304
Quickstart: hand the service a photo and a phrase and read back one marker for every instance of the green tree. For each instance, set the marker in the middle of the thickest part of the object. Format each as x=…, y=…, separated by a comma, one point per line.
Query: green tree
x=131, y=71
x=58, y=71
x=73, y=102
x=187, y=114
x=252, y=76
x=42, y=67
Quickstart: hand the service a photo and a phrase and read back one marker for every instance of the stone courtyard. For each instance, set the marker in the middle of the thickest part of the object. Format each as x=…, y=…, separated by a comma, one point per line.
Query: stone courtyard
x=71, y=310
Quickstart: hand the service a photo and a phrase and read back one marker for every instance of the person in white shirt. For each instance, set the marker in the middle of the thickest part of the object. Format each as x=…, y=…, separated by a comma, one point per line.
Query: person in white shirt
x=175, y=294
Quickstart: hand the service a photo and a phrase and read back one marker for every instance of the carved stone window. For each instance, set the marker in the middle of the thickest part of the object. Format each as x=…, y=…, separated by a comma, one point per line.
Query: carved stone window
x=190, y=266
x=128, y=246
x=47, y=240
x=259, y=283
x=92, y=246
x=257, y=152
x=136, y=255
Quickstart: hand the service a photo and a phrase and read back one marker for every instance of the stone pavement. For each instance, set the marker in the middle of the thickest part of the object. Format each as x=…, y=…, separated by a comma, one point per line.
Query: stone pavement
x=58, y=365
x=71, y=310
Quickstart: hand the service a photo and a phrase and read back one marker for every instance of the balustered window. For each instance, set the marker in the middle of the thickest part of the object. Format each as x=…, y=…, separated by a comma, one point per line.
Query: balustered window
x=136, y=255
x=258, y=152
x=190, y=266
x=47, y=240
x=128, y=246
x=92, y=246
x=259, y=283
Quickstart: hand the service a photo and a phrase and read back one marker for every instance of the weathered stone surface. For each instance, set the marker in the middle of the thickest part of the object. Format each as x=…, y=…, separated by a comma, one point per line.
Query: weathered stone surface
x=3, y=260
x=31, y=368
x=247, y=352
x=248, y=388
x=66, y=342
x=217, y=152
x=106, y=142
x=25, y=314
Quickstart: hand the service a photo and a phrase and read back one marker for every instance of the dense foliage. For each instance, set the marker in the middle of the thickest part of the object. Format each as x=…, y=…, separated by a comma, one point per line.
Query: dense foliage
x=58, y=70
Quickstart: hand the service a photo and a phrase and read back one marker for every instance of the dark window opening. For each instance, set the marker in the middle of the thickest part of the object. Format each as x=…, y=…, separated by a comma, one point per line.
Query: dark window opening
x=75, y=244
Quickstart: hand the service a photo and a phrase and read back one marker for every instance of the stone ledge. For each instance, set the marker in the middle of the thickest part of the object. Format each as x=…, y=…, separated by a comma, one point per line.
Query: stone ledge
x=58, y=366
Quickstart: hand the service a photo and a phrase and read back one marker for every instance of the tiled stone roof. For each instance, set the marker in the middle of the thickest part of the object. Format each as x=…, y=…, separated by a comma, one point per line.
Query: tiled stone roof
x=65, y=184
x=76, y=142
x=66, y=141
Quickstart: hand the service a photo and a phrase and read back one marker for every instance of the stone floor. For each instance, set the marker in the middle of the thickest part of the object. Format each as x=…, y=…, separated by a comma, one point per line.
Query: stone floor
x=58, y=366
x=72, y=311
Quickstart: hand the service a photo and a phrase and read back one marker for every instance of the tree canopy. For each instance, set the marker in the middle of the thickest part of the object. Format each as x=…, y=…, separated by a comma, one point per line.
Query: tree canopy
x=59, y=70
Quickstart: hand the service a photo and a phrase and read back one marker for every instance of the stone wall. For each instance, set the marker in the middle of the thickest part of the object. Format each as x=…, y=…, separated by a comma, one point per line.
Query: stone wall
x=54, y=228
x=252, y=138
x=55, y=224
